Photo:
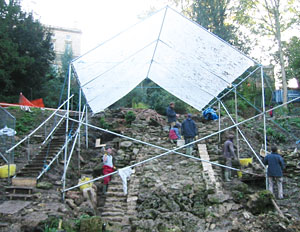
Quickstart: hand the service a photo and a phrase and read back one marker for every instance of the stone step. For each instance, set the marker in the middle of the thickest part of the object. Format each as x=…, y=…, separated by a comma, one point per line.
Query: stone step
x=115, y=206
x=112, y=214
x=110, y=193
x=114, y=199
x=115, y=188
x=25, y=169
x=28, y=173
x=40, y=164
x=4, y=224
x=116, y=181
x=112, y=219
x=111, y=209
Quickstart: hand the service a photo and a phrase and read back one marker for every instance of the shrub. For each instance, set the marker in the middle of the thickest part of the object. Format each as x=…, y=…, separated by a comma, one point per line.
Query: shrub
x=103, y=124
x=130, y=117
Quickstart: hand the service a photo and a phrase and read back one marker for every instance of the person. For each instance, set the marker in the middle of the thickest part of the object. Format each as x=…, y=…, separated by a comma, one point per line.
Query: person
x=271, y=111
x=174, y=133
x=108, y=167
x=275, y=170
x=229, y=154
x=171, y=114
x=189, y=131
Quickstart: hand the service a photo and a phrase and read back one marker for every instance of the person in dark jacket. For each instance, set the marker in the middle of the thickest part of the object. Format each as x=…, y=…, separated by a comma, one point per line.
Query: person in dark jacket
x=275, y=170
x=189, y=131
x=171, y=114
x=228, y=153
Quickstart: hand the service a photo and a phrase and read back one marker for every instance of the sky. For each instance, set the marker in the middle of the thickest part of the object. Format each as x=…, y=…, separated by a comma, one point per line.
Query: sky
x=98, y=20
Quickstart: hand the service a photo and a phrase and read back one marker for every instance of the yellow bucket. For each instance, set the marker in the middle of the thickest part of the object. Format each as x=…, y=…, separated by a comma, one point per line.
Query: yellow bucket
x=4, y=170
x=84, y=179
x=246, y=161
x=239, y=174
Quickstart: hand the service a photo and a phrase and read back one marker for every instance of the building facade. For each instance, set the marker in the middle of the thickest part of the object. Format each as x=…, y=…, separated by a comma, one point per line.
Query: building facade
x=64, y=39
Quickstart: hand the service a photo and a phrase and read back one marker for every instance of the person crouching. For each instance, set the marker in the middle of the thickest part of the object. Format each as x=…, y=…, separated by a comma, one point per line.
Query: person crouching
x=174, y=133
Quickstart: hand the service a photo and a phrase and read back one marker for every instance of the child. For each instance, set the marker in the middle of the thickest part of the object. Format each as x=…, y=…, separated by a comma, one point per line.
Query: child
x=174, y=133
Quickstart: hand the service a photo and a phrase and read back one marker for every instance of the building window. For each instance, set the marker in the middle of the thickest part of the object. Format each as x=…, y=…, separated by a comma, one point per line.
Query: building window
x=68, y=46
x=68, y=37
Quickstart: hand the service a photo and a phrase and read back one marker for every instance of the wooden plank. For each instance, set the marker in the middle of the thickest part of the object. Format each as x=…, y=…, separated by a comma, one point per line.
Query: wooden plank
x=24, y=181
x=19, y=187
x=209, y=174
x=19, y=196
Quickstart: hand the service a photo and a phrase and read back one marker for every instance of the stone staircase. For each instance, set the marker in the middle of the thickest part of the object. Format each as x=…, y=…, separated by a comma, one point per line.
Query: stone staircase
x=115, y=205
x=26, y=178
x=122, y=210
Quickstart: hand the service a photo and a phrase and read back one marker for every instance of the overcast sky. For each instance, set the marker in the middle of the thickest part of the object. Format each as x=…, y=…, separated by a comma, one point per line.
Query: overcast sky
x=98, y=20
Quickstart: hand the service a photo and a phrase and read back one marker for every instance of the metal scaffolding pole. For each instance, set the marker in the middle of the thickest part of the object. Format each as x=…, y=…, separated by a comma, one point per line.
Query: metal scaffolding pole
x=79, y=142
x=86, y=128
x=219, y=106
x=74, y=142
x=169, y=151
x=243, y=135
x=160, y=155
x=67, y=130
x=264, y=116
x=236, y=121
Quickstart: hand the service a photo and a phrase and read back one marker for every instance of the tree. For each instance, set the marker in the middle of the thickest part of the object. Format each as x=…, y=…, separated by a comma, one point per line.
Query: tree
x=58, y=80
x=269, y=18
x=26, y=52
x=292, y=52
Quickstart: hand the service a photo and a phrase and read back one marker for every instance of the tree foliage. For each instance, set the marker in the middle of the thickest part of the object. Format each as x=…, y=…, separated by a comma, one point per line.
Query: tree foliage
x=151, y=95
x=269, y=18
x=292, y=52
x=58, y=80
x=26, y=52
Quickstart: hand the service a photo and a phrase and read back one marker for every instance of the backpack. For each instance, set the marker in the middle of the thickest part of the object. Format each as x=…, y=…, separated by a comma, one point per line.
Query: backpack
x=172, y=134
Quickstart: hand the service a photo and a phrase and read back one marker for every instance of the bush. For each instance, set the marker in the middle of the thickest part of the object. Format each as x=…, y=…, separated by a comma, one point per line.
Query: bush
x=277, y=136
x=139, y=105
x=130, y=117
x=103, y=124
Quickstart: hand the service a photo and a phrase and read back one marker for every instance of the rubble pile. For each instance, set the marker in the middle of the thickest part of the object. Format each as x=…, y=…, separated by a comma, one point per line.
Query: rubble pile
x=165, y=194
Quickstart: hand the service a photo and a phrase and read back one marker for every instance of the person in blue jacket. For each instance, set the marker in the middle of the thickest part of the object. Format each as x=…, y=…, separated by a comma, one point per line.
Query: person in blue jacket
x=189, y=131
x=171, y=114
x=275, y=170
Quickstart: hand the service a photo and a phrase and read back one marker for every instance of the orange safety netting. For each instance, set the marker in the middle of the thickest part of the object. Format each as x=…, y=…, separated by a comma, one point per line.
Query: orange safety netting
x=23, y=101
x=38, y=102
x=35, y=103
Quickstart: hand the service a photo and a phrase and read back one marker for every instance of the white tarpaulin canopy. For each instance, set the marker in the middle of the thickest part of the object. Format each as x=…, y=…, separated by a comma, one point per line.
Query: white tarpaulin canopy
x=174, y=52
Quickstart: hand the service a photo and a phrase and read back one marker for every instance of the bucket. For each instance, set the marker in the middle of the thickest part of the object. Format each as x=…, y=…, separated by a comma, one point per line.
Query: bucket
x=180, y=142
x=84, y=179
x=246, y=161
x=239, y=174
x=4, y=170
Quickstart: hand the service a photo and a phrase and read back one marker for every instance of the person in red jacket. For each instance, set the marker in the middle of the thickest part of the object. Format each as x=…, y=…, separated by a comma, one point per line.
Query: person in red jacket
x=174, y=133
